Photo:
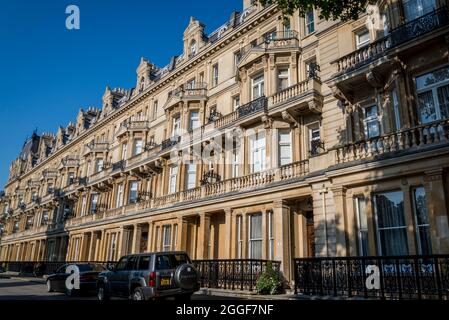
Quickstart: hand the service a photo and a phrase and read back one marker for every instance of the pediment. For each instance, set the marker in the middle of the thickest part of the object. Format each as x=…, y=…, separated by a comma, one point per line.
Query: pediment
x=252, y=55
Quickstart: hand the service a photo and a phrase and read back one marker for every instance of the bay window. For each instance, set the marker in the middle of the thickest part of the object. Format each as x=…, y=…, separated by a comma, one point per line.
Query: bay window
x=433, y=95
x=390, y=223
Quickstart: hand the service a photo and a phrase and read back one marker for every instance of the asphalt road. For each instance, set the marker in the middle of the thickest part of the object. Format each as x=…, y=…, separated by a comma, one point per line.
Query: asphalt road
x=24, y=289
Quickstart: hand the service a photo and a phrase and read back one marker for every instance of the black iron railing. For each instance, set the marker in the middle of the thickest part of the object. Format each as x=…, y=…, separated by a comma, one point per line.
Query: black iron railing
x=402, y=277
x=170, y=142
x=259, y=104
x=420, y=26
x=118, y=166
x=232, y=274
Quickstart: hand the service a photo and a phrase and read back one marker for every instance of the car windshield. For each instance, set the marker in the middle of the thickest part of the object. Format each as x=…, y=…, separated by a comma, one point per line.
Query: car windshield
x=170, y=261
x=90, y=267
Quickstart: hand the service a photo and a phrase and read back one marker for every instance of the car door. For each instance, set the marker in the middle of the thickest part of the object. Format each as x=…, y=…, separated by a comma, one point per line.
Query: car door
x=127, y=275
x=58, y=279
x=116, y=273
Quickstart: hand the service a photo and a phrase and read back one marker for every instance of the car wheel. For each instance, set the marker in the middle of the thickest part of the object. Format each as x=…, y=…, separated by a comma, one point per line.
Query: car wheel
x=102, y=294
x=138, y=294
x=49, y=288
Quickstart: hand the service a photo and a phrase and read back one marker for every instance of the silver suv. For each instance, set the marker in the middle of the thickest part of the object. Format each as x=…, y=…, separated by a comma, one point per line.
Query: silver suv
x=150, y=276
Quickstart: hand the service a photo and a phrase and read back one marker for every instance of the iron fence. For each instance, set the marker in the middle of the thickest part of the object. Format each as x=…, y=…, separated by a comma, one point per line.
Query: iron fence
x=41, y=268
x=232, y=274
x=402, y=277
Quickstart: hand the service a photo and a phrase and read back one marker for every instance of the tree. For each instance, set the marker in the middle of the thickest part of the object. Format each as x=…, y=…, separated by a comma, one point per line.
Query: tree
x=328, y=9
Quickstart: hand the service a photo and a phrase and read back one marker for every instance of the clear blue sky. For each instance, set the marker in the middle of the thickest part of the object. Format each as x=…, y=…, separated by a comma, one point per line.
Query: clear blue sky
x=48, y=72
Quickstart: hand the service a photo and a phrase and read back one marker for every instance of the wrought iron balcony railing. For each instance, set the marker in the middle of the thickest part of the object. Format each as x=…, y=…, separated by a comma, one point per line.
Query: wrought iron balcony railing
x=401, y=277
x=118, y=166
x=170, y=142
x=260, y=104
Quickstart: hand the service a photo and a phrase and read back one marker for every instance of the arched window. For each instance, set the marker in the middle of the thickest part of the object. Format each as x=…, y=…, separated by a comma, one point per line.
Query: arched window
x=193, y=47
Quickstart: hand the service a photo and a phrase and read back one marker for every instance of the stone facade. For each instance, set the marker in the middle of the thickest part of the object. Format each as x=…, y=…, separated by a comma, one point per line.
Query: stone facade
x=334, y=147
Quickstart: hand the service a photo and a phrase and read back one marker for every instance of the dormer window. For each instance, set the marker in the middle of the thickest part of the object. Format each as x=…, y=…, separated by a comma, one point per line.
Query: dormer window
x=193, y=48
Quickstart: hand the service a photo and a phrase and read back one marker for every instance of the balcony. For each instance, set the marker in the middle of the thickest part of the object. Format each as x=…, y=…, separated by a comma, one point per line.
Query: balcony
x=50, y=174
x=170, y=142
x=70, y=162
x=276, y=41
x=190, y=92
x=395, y=143
x=134, y=125
x=378, y=55
x=245, y=112
x=96, y=147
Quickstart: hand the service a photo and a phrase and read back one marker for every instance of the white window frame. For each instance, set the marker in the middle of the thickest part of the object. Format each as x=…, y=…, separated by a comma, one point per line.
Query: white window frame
x=176, y=126
x=252, y=240
x=270, y=235
x=358, y=36
x=417, y=225
x=99, y=165
x=215, y=75
x=138, y=146
x=93, y=202
x=133, y=189
x=124, y=151
x=258, y=152
x=194, y=121
x=83, y=205
x=257, y=84
x=281, y=76
x=190, y=175
x=288, y=144
x=172, y=179
x=154, y=113
x=367, y=120
x=120, y=193
x=362, y=224
x=239, y=237
x=309, y=22
x=166, y=238
x=235, y=102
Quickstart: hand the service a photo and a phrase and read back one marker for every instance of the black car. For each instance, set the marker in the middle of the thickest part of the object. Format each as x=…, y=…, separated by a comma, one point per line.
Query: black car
x=88, y=278
x=150, y=276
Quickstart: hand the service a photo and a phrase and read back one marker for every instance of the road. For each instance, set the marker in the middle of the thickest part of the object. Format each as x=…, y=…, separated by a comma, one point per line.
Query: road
x=29, y=289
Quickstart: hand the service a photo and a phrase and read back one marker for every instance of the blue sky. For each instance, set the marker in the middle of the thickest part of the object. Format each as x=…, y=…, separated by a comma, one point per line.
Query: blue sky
x=48, y=72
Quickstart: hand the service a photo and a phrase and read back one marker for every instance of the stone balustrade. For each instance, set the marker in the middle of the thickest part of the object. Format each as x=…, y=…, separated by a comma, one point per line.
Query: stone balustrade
x=290, y=92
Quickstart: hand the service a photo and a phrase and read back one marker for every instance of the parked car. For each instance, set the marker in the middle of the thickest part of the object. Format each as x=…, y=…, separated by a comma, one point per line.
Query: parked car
x=88, y=278
x=150, y=276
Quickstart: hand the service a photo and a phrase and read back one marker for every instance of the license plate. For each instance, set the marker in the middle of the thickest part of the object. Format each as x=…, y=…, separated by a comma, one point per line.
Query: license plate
x=165, y=281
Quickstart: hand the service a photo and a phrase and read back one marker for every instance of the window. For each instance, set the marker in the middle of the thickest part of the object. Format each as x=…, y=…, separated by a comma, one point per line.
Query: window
x=190, y=84
x=285, y=146
x=133, y=191
x=310, y=22
x=142, y=84
x=255, y=236
x=371, y=122
x=283, y=79
x=176, y=126
x=201, y=77
x=112, y=248
x=172, y=179
x=390, y=222
x=93, y=203
x=235, y=162
x=137, y=146
x=287, y=29
x=194, y=121
x=362, y=38
x=270, y=236
x=416, y=8
x=433, y=95
x=124, y=150
x=258, y=154
x=397, y=114
x=239, y=237
x=237, y=57
x=166, y=234
x=71, y=178
x=215, y=75
x=44, y=219
x=269, y=36
x=193, y=47
x=362, y=226
x=422, y=221
x=235, y=102
x=144, y=263
x=155, y=105
x=99, y=165
x=257, y=86
x=314, y=139
x=83, y=205
x=190, y=176
x=119, y=195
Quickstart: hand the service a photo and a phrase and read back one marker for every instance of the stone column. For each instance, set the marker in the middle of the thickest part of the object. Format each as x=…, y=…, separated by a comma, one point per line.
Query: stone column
x=182, y=234
x=282, y=246
x=92, y=245
x=339, y=193
x=436, y=206
x=228, y=234
x=203, y=236
x=264, y=235
x=150, y=236
x=136, y=239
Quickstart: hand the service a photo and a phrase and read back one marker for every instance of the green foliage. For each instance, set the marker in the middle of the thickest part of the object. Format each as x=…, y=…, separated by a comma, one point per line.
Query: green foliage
x=328, y=9
x=270, y=281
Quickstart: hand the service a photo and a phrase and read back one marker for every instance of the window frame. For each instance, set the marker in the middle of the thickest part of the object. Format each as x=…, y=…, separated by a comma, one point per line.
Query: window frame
x=260, y=85
x=289, y=144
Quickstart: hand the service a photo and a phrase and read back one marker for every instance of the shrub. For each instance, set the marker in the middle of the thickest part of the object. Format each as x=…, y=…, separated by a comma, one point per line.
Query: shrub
x=270, y=281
